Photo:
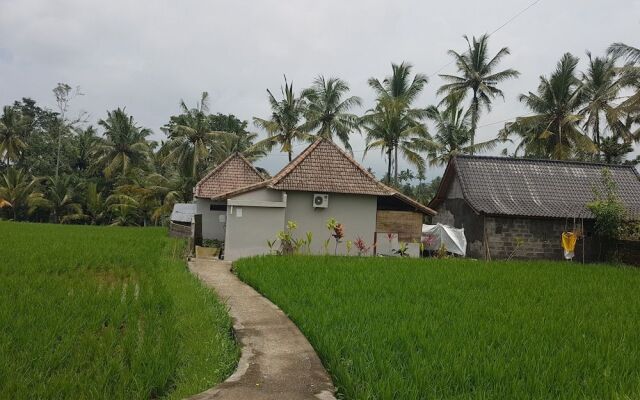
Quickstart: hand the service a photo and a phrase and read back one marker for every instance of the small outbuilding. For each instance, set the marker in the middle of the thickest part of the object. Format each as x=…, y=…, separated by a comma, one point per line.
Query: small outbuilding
x=208, y=195
x=517, y=207
x=322, y=182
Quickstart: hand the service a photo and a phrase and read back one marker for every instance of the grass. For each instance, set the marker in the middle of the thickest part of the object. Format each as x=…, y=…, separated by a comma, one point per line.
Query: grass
x=105, y=313
x=457, y=329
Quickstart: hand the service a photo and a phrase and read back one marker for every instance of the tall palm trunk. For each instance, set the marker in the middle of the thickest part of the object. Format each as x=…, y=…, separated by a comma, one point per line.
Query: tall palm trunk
x=474, y=118
x=596, y=134
x=389, y=166
x=395, y=160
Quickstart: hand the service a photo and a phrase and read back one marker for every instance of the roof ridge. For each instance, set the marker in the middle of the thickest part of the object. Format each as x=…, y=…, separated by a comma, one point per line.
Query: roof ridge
x=289, y=168
x=225, y=162
x=543, y=160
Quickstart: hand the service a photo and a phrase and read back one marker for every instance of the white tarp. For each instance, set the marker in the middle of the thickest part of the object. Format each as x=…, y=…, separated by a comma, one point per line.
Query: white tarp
x=453, y=239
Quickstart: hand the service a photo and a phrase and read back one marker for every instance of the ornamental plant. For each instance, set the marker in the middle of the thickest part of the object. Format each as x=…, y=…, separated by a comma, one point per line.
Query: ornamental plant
x=336, y=230
x=287, y=242
x=361, y=246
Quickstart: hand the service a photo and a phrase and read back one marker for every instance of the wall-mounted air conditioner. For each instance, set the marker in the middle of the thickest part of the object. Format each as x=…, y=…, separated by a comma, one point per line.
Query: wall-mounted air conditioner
x=320, y=200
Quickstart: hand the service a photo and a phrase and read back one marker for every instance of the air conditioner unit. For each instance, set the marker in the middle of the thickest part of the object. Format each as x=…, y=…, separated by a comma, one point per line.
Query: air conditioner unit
x=320, y=200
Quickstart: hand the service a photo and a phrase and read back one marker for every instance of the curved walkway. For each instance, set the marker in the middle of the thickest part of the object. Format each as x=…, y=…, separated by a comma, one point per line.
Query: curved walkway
x=277, y=361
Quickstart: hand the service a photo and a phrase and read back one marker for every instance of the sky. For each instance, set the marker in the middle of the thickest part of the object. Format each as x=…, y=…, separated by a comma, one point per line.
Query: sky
x=147, y=55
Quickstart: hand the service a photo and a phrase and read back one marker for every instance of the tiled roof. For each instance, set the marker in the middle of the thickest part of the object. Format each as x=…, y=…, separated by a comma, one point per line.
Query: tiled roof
x=536, y=188
x=233, y=173
x=325, y=167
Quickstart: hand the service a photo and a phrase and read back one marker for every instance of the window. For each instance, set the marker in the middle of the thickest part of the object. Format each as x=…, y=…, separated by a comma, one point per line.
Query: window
x=218, y=207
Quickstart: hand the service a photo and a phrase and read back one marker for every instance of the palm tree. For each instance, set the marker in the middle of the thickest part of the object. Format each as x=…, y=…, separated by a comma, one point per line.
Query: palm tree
x=393, y=125
x=86, y=142
x=631, y=105
x=477, y=75
x=632, y=54
x=125, y=147
x=124, y=210
x=453, y=132
x=18, y=191
x=392, y=135
x=614, y=151
x=95, y=208
x=191, y=139
x=59, y=199
x=285, y=125
x=601, y=85
x=327, y=110
x=239, y=142
x=553, y=131
x=167, y=192
x=13, y=129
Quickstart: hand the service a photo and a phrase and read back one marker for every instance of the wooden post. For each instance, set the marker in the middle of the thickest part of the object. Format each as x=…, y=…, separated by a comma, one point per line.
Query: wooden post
x=196, y=233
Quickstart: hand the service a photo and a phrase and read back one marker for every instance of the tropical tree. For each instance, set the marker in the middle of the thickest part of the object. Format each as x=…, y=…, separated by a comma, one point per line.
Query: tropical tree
x=85, y=146
x=167, y=192
x=477, y=75
x=394, y=126
x=192, y=142
x=59, y=199
x=13, y=130
x=124, y=210
x=125, y=146
x=229, y=143
x=327, y=111
x=95, y=207
x=286, y=124
x=553, y=131
x=18, y=191
x=601, y=86
x=613, y=151
x=632, y=54
x=453, y=132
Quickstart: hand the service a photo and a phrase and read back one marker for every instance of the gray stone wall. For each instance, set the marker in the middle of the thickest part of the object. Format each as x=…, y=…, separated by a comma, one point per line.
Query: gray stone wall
x=540, y=238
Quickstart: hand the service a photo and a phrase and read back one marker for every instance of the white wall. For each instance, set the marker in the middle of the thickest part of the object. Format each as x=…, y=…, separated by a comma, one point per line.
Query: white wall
x=212, y=228
x=356, y=212
x=249, y=228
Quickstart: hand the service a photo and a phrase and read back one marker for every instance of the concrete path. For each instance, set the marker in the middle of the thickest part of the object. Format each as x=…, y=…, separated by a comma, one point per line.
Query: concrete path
x=277, y=361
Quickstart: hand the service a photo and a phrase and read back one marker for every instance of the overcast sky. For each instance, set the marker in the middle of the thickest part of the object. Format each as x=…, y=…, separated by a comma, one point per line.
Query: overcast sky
x=147, y=55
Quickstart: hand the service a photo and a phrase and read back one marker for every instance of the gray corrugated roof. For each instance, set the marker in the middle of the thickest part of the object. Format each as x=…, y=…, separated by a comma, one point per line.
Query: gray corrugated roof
x=539, y=188
x=183, y=212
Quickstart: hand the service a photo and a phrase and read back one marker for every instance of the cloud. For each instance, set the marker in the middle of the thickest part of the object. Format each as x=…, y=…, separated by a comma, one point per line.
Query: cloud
x=147, y=55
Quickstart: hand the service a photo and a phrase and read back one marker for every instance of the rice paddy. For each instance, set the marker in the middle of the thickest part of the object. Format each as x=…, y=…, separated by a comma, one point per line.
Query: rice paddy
x=458, y=329
x=105, y=313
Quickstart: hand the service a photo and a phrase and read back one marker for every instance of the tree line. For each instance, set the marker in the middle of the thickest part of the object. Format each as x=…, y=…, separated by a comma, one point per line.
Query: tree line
x=58, y=169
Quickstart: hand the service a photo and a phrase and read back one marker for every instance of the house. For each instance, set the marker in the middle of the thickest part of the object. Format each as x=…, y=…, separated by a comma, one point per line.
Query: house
x=233, y=173
x=322, y=182
x=520, y=207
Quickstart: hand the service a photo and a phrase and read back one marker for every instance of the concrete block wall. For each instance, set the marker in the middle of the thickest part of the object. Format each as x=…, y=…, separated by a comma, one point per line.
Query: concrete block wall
x=541, y=238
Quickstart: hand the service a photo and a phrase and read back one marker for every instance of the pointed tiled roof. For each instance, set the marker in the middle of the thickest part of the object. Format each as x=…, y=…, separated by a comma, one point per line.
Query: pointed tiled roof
x=325, y=167
x=233, y=173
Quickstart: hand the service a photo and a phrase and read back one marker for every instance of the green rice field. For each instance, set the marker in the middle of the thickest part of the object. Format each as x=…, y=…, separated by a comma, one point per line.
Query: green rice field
x=105, y=313
x=461, y=329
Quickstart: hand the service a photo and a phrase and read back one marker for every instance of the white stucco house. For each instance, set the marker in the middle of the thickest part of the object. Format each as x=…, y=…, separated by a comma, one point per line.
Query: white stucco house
x=245, y=210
